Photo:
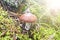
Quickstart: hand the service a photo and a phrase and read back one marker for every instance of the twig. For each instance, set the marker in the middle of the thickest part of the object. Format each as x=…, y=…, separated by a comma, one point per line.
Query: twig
x=14, y=36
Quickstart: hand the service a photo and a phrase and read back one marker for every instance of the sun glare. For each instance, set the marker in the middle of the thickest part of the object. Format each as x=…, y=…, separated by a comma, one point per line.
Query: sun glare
x=53, y=4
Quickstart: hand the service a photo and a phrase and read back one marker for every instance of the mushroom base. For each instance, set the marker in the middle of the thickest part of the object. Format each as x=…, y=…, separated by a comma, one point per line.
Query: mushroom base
x=25, y=27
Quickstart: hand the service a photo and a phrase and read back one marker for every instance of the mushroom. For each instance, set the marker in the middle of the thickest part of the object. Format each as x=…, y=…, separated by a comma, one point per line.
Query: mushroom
x=27, y=19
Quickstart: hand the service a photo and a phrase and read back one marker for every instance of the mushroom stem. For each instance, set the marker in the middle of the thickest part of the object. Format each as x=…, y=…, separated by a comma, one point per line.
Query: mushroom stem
x=25, y=27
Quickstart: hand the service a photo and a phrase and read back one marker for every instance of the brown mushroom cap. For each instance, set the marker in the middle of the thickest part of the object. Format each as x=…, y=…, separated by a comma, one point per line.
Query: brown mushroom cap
x=28, y=17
